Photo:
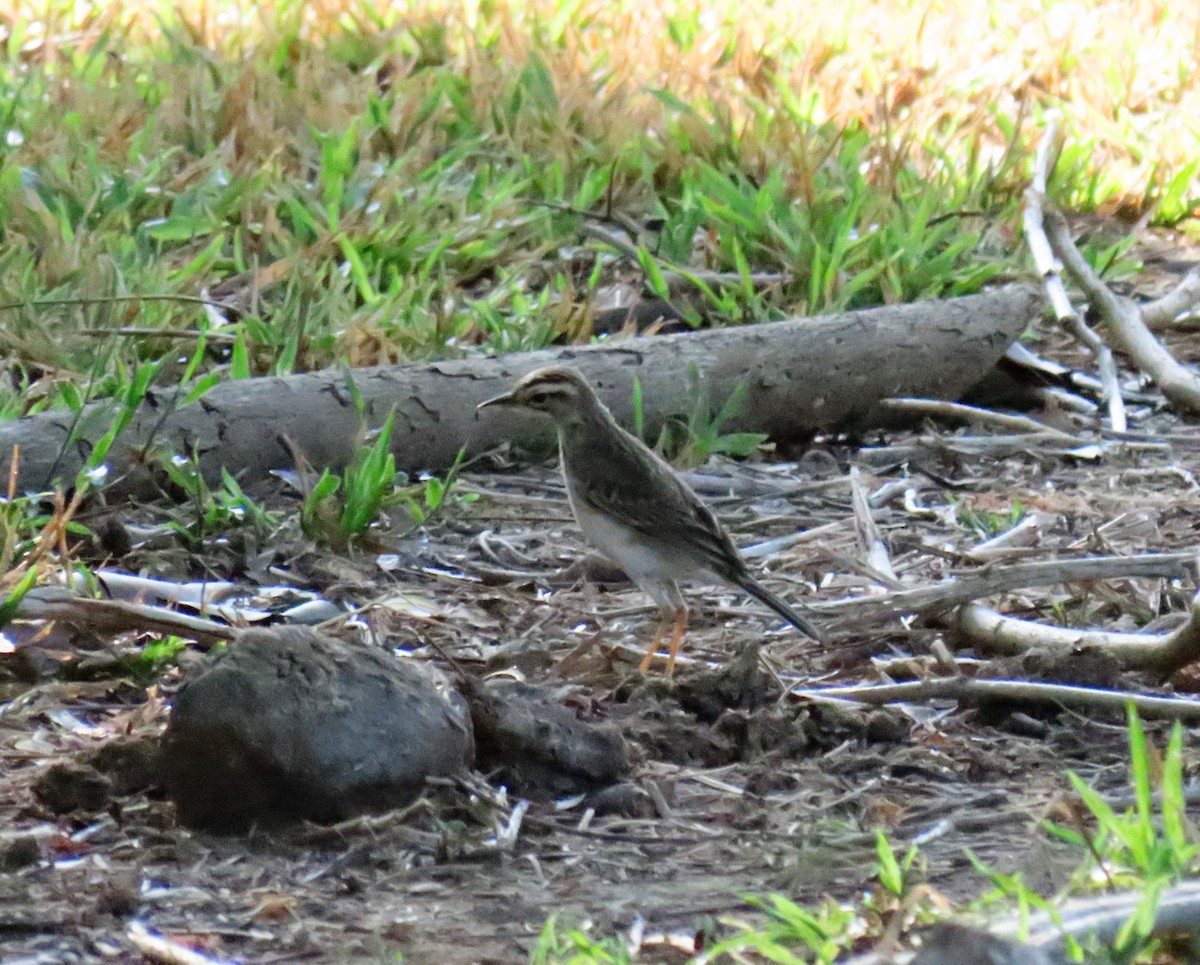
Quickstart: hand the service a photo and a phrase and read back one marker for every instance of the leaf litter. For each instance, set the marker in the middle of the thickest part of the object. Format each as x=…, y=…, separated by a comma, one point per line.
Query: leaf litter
x=741, y=784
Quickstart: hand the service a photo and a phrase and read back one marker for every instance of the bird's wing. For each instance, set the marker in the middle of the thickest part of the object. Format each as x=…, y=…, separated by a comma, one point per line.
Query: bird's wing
x=632, y=485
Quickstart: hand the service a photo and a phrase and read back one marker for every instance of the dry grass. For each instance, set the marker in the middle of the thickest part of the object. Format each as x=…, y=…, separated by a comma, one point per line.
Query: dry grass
x=932, y=81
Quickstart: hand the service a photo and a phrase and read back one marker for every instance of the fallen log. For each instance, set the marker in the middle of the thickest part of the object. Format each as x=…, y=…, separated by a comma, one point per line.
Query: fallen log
x=803, y=375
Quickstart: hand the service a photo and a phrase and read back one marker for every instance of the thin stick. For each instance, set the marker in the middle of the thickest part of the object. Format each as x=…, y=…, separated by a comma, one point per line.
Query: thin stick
x=119, y=616
x=164, y=950
x=12, y=472
x=976, y=416
x=996, y=578
x=188, y=333
x=1178, y=383
x=676, y=279
x=976, y=691
x=1049, y=267
x=114, y=300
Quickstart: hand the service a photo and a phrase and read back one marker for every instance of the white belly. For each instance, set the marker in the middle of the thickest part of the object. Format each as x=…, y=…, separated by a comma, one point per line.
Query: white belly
x=644, y=562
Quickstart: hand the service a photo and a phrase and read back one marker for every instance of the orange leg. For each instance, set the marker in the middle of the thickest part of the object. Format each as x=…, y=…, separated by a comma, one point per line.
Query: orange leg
x=673, y=645
x=678, y=626
x=648, y=657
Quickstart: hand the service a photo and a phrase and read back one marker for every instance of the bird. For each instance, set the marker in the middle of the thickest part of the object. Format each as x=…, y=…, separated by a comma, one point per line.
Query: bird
x=633, y=507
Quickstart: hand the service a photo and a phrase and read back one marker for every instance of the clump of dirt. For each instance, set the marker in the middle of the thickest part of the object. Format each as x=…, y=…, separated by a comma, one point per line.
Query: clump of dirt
x=72, y=788
x=538, y=748
x=130, y=765
x=731, y=714
x=741, y=684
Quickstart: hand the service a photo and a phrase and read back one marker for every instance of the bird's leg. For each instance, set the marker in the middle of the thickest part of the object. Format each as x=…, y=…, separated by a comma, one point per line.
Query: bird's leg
x=673, y=614
x=677, y=632
x=648, y=657
x=678, y=626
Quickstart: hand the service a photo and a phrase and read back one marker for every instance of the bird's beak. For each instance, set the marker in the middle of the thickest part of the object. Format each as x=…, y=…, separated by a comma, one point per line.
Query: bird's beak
x=508, y=398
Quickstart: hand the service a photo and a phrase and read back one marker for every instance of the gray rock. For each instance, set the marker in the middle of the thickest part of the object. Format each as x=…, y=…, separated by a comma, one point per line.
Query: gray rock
x=291, y=724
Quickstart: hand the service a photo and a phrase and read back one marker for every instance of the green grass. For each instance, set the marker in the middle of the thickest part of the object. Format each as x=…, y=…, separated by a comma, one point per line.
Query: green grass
x=348, y=185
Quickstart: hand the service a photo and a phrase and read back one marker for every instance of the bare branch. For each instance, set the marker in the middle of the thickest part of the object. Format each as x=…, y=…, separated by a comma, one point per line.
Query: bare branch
x=1050, y=268
x=1184, y=297
x=1161, y=654
x=989, y=580
x=974, y=415
x=1178, y=383
x=118, y=616
x=1100, y=918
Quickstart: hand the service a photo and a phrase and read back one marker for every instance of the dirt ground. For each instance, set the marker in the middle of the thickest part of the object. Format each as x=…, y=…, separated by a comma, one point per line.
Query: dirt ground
x=738, y=788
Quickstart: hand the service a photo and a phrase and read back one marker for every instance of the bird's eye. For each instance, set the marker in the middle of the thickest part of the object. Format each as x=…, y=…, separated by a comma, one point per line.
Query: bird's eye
x=539, y=398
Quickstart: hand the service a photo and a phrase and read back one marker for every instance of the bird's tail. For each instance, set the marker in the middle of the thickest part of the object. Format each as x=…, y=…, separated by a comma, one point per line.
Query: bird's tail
x=762, y=594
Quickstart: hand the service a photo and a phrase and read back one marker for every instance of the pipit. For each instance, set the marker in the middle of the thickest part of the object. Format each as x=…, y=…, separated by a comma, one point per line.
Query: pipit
x=632, y=506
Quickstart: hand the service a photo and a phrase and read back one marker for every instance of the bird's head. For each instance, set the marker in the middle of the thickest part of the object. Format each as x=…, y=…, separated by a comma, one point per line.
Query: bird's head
x=558, y=391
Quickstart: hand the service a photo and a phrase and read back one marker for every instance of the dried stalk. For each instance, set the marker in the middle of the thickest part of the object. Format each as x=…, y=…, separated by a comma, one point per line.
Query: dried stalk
x=1125, y=322
x=1049, y=267
x=996, y=578
x=974, y=691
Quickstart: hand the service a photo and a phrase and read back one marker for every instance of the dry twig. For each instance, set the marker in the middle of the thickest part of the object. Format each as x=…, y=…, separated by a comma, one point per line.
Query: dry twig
x=1095, y=918
x=161, y=949
x=1179, y=384
x=974, y=691
x=118, y=616
x=1161, y=654
x=992, y=579
x=1050, y=269
x=975, y=415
